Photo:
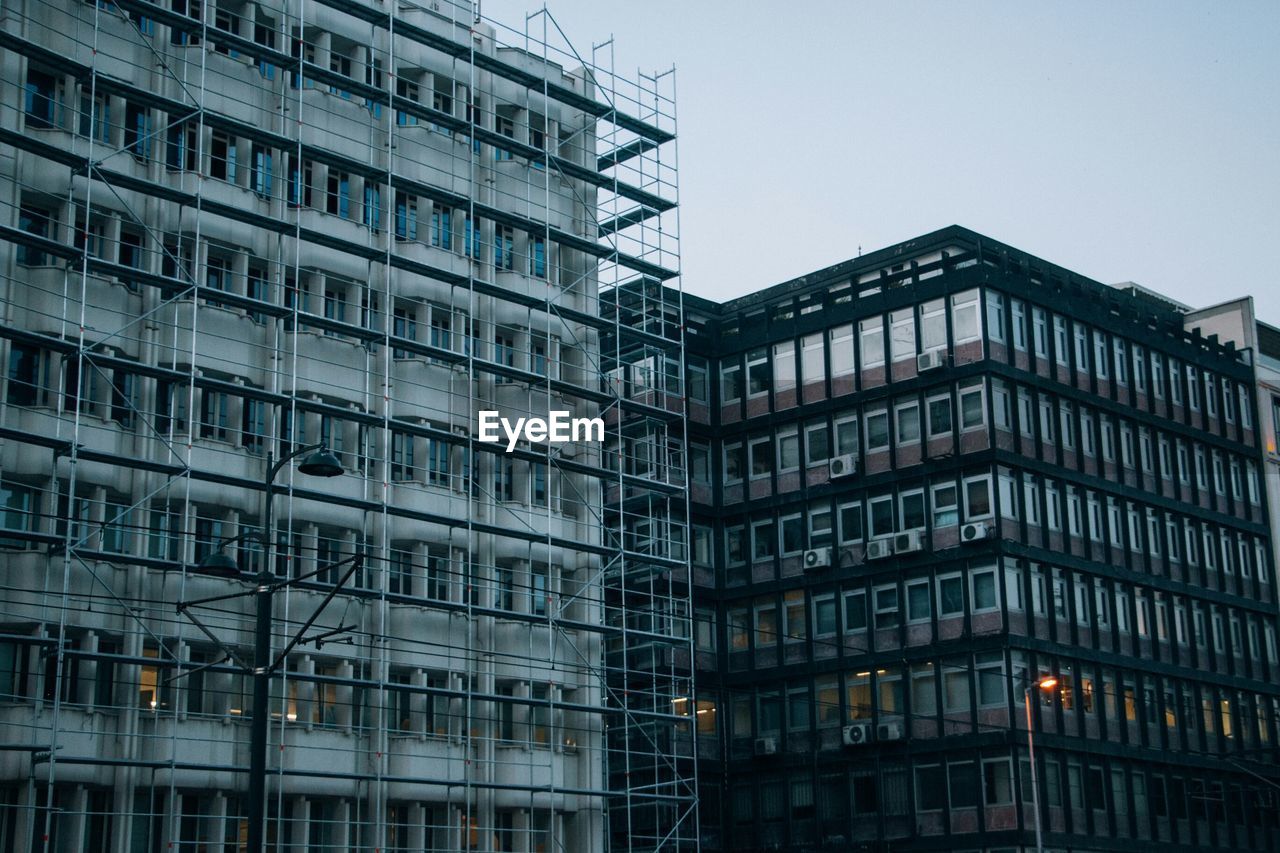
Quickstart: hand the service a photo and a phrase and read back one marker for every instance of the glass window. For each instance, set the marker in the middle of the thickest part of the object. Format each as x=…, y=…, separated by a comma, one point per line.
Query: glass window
x=939, y=410
x=812, y=359
x=788, y=451
x=882, y=516
x=918, y=608
x=817, y=443
x=950, y=595
x=985, y=595
x=902, y=329
x=877, y=430
x=850, y=520
x=871, y=334
x=965, y=323
x=945, y=505
x=911, y=509
x=908, y=421
x=841, y=348
x=757, y=372
x=933, y=325
x=855, y=611
x=977, y=497
x=784, y=366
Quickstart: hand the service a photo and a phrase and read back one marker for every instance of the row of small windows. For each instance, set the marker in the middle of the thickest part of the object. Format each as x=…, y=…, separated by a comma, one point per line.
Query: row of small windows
x=160, y=817
x=956, y=690
x=110, y=523
x=114, y=238
x=1114, y=793
x=1109, y=356
x=906, y=421
x=319, y=692
x=890, y=337
x=797, y=616
x=1115, y=439
x=945, y=502
x=909, y=332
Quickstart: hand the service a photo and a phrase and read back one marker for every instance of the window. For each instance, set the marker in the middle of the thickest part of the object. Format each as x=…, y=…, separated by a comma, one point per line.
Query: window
x=945, y=505
x=984, y=591
x=886, y=604
x=841, y=350
x=17, y=512
x=933, y=326
x=997, y=788
x=730, y=383
x=812, y=364
x=871, y=337
x=907, y=416
x=1040, y=332
x=788, y=451
x=918, y=606
x=757, y=373
x=995, y=316
x=950, y=596
x=338, y=194
x=911, y=510
x=760, y=451
x=817, y=443
x=972, y=411
x=939, y=415
x=784, y=365
x=902, y=332
x=855, y=611
x=850, y=522
x=792, y=535
x=882, y=516
x=1018, y=311
x=824, y=615
x=763, y=541
x=877, y=426
x=965, y=323
x=977, y=497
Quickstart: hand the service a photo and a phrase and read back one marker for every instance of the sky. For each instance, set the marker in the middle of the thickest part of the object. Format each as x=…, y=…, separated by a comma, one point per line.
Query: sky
x=1135, y=141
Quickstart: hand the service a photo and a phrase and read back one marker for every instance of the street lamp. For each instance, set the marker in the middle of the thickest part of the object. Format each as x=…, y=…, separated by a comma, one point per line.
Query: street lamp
x=320, y=462
x=1045, y=683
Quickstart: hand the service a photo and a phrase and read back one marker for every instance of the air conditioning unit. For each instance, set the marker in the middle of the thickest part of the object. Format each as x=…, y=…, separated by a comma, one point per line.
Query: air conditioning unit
x=930, y=360
x=857, y=735
x=878, y=549
x=843, y=466
x=905, y=543
x=817, y=558
x=888, y=731
x=766, y=745
x=975, y=531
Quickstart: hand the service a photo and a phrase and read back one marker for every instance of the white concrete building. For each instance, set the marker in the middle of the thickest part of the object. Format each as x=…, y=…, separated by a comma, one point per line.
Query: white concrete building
x=232, y=230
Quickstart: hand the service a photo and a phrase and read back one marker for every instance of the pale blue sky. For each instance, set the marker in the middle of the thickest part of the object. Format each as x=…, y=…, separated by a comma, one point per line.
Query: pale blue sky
x=1127, y=141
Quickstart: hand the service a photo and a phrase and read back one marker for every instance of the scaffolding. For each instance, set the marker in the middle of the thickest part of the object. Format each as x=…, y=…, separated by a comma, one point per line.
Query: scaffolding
x=234, y=230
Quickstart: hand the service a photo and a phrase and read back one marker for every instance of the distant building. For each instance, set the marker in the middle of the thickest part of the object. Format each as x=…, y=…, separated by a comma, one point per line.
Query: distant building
x=926, y=478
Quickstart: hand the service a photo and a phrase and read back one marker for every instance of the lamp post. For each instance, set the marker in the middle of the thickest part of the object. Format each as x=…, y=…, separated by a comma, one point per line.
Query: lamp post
x=1046, y=683
x=320, y=463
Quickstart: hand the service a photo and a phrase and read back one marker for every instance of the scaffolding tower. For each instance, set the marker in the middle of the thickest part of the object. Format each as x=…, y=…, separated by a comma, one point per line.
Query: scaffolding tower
x=236, y=229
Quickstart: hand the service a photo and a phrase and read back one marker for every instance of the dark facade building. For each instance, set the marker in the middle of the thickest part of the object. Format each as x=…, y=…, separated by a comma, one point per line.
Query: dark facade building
x=927, y=479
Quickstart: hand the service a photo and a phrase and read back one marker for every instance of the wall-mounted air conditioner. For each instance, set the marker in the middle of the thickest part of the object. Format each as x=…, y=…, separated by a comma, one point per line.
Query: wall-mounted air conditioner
x=889, y=731
x=766, y=745
x=857, y=734
x=843, y=466
x=931, y=360
x=878, y=549
x=905, y=543
x=976, y=531
x=817, y=558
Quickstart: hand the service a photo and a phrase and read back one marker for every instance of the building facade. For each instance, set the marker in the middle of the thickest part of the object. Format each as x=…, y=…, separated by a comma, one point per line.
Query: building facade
x=233, y=231
x=927, y=479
